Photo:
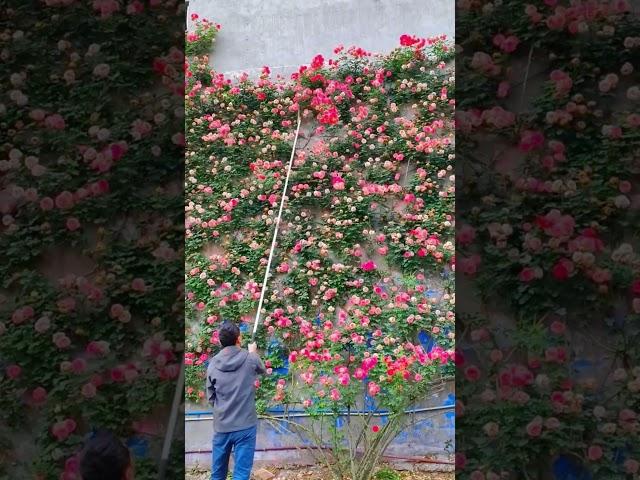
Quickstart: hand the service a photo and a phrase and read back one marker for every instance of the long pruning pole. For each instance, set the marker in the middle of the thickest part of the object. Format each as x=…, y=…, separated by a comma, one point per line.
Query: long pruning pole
x=275, y=232
x=168, y=439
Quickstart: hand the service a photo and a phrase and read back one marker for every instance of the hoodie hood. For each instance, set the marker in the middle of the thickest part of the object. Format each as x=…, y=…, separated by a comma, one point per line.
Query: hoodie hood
x=230, y=359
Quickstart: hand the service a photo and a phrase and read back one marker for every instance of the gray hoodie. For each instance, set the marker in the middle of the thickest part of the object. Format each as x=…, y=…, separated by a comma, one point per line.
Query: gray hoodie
x=231, y=390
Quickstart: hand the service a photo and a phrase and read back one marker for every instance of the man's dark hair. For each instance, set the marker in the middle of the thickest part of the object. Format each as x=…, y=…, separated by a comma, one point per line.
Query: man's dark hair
x=228, y=334
x=104, y=457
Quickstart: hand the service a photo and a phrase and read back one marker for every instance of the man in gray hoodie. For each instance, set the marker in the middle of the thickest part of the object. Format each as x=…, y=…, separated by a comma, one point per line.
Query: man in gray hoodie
x=231, y=390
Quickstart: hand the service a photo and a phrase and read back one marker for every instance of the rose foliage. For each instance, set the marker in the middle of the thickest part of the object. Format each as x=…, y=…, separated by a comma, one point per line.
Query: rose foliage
x=91, y=233
x=547, y=236
x=365, y=238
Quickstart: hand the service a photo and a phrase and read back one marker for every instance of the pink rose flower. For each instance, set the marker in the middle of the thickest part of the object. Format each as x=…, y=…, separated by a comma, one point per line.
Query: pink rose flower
x=61, y=340
x=138, y=285
x=594, y=453
x=13, y=371
x=558, y=327
x=504, y=88
x=373, y=389
x=531, y=140
x=469, y=265
x=528, y=274
x=88, y=390
x=472, y=373
x=78, y=366
x=72, y=224
x=368, y=266
x=631, y=466
x=484, y=63
x=534, y=427
x=46, y=203
x=335, y=395
x=61, y=430
x=54, y=122
x=466, y=234
x=64, y=200
x=97, y=348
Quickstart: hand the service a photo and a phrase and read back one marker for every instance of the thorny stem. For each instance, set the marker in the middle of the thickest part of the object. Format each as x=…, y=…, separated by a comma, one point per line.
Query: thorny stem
x=317, y=441
x=361, y=466
x=526, y=77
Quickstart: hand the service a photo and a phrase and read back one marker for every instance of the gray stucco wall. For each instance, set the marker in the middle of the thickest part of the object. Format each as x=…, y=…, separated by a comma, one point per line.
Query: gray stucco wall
x=285, y=34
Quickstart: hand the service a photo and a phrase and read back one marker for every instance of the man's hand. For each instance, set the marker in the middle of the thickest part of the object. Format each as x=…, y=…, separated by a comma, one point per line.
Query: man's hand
x=260, y=368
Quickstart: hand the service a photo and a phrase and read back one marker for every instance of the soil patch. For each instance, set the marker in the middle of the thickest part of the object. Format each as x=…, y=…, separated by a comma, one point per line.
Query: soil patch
x=321, y=473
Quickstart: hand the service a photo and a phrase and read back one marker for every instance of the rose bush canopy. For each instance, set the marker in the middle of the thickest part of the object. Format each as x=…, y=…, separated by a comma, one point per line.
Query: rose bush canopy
x=361, y=293
x=547, y=237
x=91, y=304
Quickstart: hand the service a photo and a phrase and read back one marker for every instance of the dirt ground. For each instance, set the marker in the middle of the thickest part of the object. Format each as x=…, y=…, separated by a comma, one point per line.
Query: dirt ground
x=319, y=473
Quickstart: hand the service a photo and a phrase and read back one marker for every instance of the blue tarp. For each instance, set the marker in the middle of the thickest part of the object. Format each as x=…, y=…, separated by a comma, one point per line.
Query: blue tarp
x=138, y=446
x=569, y=468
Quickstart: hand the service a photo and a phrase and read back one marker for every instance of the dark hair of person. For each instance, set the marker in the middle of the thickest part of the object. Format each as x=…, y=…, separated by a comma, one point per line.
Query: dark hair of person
x=228, y=334
x=104, y=457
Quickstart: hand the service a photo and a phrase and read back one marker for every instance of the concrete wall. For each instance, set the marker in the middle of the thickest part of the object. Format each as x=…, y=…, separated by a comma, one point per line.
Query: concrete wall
x=285, y=34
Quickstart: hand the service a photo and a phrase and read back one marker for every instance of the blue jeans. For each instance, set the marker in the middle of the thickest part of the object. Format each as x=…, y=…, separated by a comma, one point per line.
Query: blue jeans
x=243, y=445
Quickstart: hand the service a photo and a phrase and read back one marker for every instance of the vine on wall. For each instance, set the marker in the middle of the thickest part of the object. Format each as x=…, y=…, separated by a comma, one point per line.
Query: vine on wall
x=91, y=234
x=548, y=237
x=365, y=238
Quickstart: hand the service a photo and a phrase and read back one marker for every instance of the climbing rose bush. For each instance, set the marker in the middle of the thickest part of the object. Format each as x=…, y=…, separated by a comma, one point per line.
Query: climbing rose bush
x=547, y=239
x=91, y=233
x=362, y=276
x=200, y=39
